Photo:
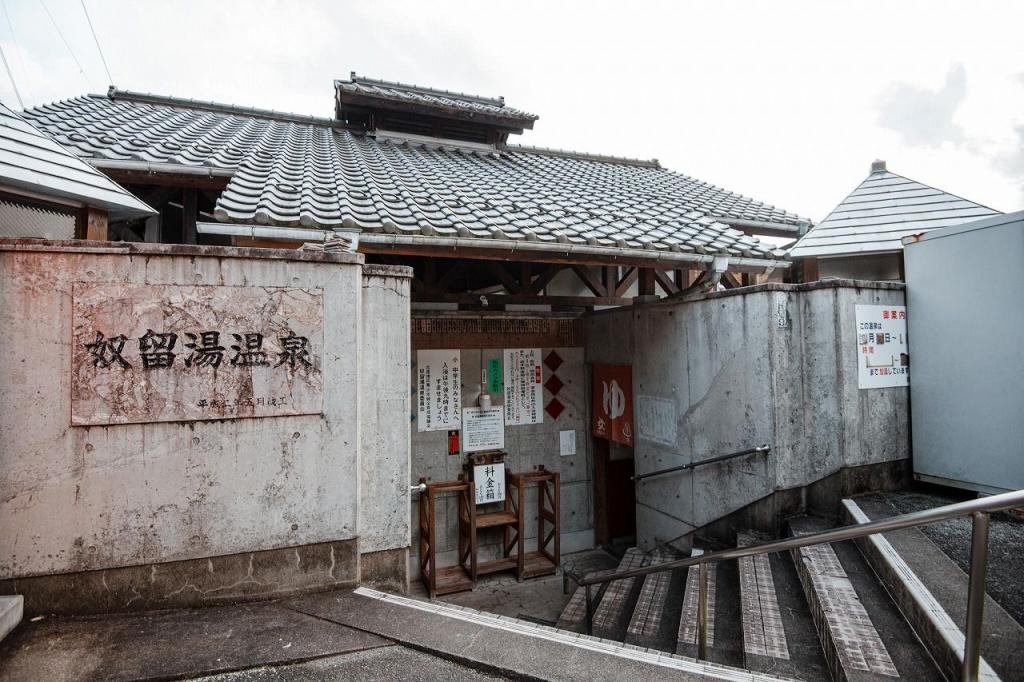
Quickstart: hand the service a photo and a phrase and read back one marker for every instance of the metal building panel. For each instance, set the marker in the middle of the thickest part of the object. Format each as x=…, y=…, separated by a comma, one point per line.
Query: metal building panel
x=27, y=222
x=966, y=323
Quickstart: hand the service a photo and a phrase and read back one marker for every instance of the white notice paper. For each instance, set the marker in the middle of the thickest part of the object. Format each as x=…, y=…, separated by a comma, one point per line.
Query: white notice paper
x=438, y=390
x=524, y=395
x=490, y=482
x=567, y=443
x=483, y=429
x=882, y=356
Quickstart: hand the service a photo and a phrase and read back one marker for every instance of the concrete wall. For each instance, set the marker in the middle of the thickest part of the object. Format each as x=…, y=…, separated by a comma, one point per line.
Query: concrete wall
x=771, y=364
x=528, y=446
x=281, y=494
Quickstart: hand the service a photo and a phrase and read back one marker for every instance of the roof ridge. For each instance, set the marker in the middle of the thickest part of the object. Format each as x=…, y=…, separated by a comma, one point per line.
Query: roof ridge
x=585, y=156
x=218, y=107
x=495, y=101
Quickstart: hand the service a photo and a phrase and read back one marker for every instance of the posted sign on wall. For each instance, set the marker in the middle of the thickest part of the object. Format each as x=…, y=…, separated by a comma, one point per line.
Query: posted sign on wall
x=524, y=395
x=438, y=390
x=882, y=356
x=483, y=429
x=155, y=353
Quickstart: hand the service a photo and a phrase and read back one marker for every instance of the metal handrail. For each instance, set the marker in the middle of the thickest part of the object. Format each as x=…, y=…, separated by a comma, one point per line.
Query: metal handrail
x=694, y=465
x=978, y=509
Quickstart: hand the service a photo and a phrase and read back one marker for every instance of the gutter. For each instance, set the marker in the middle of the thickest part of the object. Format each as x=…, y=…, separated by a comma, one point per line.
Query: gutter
x=168, y=168
x=779, y=229
x=653, y=258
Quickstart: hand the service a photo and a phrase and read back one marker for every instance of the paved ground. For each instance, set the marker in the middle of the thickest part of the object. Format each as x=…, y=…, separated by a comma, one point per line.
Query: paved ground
x=539, y=599
x=1006, y=538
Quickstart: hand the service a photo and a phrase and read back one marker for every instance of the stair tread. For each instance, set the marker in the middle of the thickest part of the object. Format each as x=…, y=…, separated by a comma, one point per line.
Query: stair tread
x=575, y=612
x=645, y=623
x=763, y=632
x=687, y=635
x=614, y=604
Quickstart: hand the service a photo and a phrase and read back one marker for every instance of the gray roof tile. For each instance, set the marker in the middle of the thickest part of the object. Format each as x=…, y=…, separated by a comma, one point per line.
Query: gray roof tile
x=32, y=160
x=294, y=172
x=882, y=210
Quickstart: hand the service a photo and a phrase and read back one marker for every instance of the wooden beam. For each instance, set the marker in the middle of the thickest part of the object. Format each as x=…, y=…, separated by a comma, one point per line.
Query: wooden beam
x=510, y=283
x=730, y=280
x=665, y=282
x=179, y=180
x=91, y=223
x=448, y=278
x=589, y=281
x=538, y=285
x=627, y=281
x=502, y=299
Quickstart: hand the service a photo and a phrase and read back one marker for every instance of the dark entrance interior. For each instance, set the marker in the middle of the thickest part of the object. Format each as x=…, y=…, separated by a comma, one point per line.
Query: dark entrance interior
x=614, y=494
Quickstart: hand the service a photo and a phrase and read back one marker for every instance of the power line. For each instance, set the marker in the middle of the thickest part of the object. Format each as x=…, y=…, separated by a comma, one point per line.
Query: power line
x=66, y=43
x=110, y=79
x=17, y=47
x=11, y=76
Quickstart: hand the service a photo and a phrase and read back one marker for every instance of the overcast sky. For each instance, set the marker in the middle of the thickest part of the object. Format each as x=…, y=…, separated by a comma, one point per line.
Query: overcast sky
x=788, y=102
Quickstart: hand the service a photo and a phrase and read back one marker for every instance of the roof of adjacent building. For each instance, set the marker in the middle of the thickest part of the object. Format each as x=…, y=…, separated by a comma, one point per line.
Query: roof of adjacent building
x=362, y=90
x=882, y=210
x=292, y=171
x=31, y=161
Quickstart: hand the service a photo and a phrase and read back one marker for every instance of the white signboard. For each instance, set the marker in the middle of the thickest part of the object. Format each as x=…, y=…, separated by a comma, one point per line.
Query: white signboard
x=882, y=356
x=524, y=395
x=567, y=443
x=439, y=390
x=483, y=429
x=490, y=483
x=656, y=419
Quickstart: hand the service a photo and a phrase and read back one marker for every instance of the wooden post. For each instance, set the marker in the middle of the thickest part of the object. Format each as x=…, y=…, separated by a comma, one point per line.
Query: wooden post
x=91, y=223
x=810, y=267
x=646, y=287
x=189, y=211
x=153, y=229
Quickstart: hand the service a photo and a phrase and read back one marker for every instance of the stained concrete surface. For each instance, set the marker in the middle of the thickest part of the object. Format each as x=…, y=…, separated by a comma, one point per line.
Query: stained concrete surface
x=172, y=644
x=373, y=665
x=1005, y=540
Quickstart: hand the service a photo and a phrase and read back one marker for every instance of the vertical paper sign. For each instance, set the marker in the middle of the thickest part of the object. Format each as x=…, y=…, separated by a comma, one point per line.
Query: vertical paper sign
x=490, y=482
x=882, y=356
x=439, y=390
x=494, y=375
x=483, y=429
x=524, y=394
x=613, y=403
x=566, y=443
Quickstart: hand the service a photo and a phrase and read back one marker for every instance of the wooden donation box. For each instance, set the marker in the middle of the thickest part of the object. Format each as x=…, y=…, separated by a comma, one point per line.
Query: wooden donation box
x=491, y=497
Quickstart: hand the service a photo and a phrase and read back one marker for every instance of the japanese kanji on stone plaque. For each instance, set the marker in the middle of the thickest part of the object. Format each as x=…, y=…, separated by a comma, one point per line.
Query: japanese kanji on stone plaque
x=154, y=353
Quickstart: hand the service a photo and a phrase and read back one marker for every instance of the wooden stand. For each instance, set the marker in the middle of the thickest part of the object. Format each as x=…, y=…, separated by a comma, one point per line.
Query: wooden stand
x=546, y=559
x=510, y=519
x=462, y=576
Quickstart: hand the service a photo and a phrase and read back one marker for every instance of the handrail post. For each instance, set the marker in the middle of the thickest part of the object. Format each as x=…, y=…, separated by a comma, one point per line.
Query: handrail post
x=702, y=611
x=975, y=597
x=590, y=612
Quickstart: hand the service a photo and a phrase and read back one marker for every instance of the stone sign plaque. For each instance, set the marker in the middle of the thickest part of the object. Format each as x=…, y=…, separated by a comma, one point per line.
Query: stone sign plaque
x=157, y=353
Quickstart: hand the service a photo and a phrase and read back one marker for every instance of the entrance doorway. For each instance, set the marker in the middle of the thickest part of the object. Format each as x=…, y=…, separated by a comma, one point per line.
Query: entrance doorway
x=614, y=494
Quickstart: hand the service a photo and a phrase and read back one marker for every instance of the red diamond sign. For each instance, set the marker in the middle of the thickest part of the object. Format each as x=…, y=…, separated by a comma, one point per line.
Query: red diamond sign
x=555, y=408
x=553, y=361
x=554, y=384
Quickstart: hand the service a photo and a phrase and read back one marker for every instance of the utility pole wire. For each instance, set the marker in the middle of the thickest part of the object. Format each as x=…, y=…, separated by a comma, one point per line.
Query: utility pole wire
x=11, y=76
x=17, y=49
x=110, y=79
x=66, y=43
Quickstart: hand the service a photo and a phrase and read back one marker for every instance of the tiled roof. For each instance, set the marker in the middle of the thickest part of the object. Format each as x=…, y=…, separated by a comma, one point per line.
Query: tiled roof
x=883, y=209
x=387, y=91
x=31, y=160
x=287, y=172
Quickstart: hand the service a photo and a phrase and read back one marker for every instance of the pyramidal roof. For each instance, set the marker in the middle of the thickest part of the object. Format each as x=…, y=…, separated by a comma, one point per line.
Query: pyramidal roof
x=882, y=210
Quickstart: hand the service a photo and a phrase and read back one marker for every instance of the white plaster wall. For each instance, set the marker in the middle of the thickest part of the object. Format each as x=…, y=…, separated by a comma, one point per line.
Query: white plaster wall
x=384, y=411
x=79, y=498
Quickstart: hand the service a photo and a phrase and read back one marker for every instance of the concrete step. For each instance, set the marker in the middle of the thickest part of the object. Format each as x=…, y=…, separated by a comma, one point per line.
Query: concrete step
x=931, y=592
x=655, y=608
x=686, y=640
x=764, y=637
x=612, y=615
x=574, y=615
x=863, y=634
x=12, y=608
